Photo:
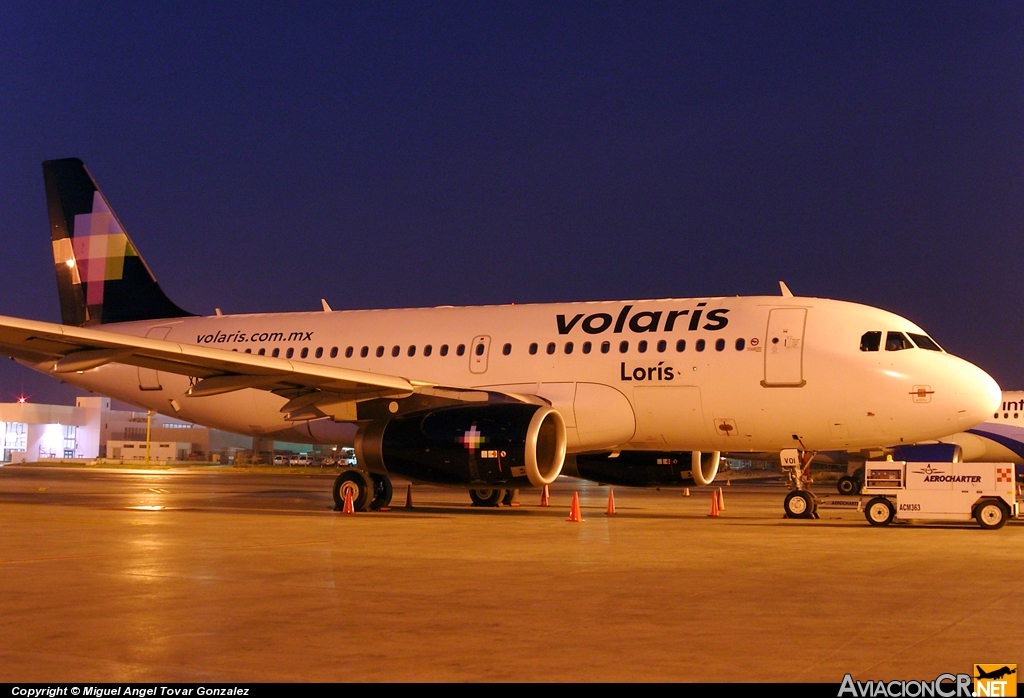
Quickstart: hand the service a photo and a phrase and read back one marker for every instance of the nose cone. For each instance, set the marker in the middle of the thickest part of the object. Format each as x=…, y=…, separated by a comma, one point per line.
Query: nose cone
x=978, y=397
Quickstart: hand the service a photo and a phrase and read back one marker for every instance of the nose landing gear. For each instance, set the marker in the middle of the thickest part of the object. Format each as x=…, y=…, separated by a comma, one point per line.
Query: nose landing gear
x=800, y=503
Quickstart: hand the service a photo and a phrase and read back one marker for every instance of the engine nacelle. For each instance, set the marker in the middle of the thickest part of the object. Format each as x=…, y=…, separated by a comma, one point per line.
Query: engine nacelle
x=502, y=444
x=647, y=468
x=928, y=453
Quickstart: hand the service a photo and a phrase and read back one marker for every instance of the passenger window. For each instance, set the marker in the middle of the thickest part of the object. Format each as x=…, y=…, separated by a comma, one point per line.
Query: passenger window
x=290, y=353
x=700, y=345
x=586, y=347
x=276, y=352
x=740, y=343
x=568, y=347
x=870, y=341
x=320, y=352
x=924, y=342
x=248, y=351
x=533, y=348
x=305, y=352
x=623, y=347
x=444, y=350
x=479, y=349
x=719, y=344
x=551, y=347
x=396, y=350
x=262, y=352
x=348, y=352
x=380, y=352
x=412, y=350
x=461, y=349
x=507, y=349
x=896, y=341
x=606, y=347
x=662, y=346
x=427, y=350
x=681, y=345
x=641, y=346
x=364, y=352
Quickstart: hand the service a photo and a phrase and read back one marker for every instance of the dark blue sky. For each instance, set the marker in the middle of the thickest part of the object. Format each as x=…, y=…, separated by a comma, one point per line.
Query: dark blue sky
x=392, y=154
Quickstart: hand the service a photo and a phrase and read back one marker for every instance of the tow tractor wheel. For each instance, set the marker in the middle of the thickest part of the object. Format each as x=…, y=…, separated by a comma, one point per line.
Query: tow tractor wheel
x=991, y=515
x=847, y=485
x=879, y=512
x=510, y=497
x=486, y=498
x=799, y=504
x=358, y=483
x=382, y=491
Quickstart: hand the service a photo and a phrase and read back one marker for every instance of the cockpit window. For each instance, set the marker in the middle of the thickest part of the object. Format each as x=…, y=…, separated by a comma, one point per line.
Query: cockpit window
x=897, y=341
x=870, y=341
x=924, y=342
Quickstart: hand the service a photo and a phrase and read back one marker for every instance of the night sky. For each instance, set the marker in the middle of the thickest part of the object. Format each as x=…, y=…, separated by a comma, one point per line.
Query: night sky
x=263, y=155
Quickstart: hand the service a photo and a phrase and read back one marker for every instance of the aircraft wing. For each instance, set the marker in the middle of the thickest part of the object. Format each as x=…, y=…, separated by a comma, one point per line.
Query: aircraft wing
x=312, y=389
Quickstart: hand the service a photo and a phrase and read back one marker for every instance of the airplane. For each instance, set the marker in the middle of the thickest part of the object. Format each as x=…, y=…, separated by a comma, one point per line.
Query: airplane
x=493, y=398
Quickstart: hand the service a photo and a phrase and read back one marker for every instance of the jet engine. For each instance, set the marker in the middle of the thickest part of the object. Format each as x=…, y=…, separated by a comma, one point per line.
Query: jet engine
x=510, y=444
x=646, y=468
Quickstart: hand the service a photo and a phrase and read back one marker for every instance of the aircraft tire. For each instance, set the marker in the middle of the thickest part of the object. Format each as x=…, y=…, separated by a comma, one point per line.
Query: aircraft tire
x=799, y=504
x=879, y=512
x=359, y=483
x=847, y=486
x=486, y=498
x=382, y=491
x=991, y=515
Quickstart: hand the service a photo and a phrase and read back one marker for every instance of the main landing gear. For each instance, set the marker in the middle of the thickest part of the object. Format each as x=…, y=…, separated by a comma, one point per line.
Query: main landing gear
x=801, y=502
x=370, y=491
x=493, y=498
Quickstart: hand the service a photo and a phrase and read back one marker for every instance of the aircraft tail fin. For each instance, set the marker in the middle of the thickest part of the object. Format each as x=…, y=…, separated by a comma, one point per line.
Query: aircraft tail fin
x=101, y=277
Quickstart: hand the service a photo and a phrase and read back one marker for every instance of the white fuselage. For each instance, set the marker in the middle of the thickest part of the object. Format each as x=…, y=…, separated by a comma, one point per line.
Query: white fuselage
x=773, y=372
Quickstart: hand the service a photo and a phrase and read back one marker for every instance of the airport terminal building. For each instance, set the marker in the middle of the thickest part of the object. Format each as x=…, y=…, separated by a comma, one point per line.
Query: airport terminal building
x=93, y=429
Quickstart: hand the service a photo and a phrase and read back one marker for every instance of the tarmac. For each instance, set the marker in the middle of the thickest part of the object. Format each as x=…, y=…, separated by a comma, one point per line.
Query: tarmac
x=217, y=575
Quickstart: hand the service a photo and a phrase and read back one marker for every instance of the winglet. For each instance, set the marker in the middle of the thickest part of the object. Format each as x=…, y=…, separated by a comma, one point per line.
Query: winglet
x=786, y=293
x=327, y=307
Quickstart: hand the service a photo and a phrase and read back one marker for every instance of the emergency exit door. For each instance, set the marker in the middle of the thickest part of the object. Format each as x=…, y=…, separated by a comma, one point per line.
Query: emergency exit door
x=478, y=352
x=784, y=348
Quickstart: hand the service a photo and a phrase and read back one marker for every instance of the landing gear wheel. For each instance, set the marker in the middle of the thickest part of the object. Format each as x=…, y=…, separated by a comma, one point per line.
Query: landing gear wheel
x=510, y=497
x=358, y=483
x=486, y=498
x=799, y=504
x=879, y=512
x=991, y=515
x=382, y=491
x=847, y=485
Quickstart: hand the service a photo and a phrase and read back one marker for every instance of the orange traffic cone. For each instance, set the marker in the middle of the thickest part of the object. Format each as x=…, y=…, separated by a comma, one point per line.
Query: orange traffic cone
x=544, y=496
x=686, y=492
x=348, y=508
x=574, y=514
x=611, y=503
x=408, y=498
x=721, y=500
x=714, y=505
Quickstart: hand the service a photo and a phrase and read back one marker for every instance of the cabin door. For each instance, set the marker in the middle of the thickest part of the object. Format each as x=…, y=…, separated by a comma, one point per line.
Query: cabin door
x=784, y=348
x=148, y=378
